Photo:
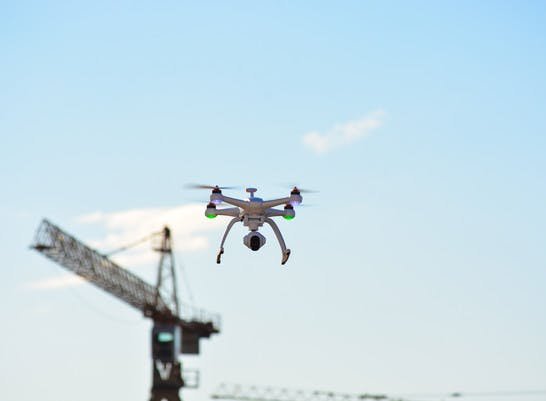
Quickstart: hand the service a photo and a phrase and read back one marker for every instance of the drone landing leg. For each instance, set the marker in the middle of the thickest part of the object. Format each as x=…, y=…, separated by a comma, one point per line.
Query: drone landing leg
x=285, y=252
x=221, y=251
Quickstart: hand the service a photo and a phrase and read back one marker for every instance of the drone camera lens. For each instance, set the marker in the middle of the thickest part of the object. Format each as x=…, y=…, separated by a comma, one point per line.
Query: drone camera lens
x=255, y=243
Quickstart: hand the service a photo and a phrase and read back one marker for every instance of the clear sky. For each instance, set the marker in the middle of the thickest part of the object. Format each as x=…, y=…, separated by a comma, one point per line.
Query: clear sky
x=421, y=266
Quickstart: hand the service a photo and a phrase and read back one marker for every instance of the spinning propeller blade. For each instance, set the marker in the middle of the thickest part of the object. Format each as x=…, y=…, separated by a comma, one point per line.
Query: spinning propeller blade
x=306, y=190
x=293, y=186
x=302, y=190
x=202, y=186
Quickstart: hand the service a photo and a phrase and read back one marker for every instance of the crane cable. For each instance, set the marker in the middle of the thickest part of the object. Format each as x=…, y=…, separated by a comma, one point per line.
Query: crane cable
x=132, y=244
x=179, y=265
x=182, y=269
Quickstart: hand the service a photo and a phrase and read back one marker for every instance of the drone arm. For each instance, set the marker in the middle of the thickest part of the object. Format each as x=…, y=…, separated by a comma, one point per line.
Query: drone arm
x=276, y=202
x=275, y=213
x=221, y=251
x=285, y=251
x=231, y=211
x=235, y=202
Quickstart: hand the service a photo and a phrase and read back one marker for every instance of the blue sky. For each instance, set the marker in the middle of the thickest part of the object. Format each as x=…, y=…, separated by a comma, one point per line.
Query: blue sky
x=421, y=266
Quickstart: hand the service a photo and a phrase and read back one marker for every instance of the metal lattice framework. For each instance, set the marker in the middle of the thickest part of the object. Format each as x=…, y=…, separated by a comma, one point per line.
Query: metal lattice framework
x=257, y=393
x=72, y=254
x=264, y=393
x=160, y=303
x=96, y=268
x=166, y=274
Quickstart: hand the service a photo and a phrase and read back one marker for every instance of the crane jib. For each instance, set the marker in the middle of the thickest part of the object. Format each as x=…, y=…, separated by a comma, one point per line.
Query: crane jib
x=98, y=269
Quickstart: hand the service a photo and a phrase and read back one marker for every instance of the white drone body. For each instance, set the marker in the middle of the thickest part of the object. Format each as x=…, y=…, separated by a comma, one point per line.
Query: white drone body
x=253, y=213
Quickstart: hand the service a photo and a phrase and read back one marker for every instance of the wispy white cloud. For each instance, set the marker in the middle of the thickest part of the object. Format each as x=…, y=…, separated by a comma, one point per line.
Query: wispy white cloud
x=343, y=134
x=187, y=224
x=54, y=283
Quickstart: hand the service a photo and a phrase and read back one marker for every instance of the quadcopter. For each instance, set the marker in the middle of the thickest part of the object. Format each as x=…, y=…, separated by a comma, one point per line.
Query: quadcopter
x=253, y=213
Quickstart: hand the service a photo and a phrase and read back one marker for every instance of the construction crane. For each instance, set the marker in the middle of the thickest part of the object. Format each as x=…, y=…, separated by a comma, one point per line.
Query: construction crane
x=237, y=392
x=176, y=330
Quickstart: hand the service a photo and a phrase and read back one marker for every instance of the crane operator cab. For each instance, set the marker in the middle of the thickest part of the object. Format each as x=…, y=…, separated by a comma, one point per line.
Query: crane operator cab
x=166, y=342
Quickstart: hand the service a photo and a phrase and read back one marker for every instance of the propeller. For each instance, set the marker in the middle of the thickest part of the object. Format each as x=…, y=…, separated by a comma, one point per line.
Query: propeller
x=301, y=190
x=202, y=186
x=306, y=190
x=292, y=186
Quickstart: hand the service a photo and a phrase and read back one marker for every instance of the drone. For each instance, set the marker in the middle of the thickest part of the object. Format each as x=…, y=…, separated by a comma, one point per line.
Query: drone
x=253, y=213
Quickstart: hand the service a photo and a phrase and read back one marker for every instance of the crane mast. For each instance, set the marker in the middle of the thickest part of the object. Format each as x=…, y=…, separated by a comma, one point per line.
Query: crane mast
x=166, y=274
x=176, y=329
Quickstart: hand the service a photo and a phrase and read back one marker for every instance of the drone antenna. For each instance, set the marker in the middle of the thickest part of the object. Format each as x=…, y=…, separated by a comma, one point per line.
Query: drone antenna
x=251, y=191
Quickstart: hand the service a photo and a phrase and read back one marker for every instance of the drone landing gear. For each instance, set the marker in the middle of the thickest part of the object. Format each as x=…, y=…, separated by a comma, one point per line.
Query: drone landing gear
x=221, y=251
x=219, y=256
x=285, y=256
x=285, y=251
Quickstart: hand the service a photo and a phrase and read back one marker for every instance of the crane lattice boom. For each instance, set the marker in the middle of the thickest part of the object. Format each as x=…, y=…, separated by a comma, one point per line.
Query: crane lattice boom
x=72, y=254
x=238, y=392
x=79, y=258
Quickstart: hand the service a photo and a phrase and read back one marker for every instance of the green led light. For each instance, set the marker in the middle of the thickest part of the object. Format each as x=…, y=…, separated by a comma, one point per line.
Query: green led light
x=210, y=215
x=165, y=337
x=288, y=217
